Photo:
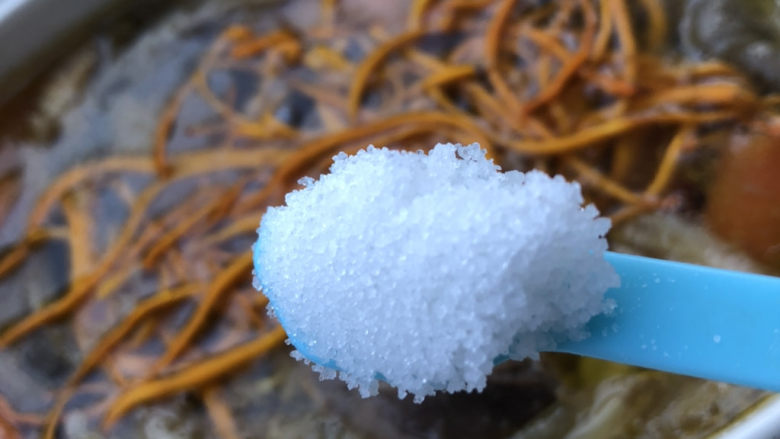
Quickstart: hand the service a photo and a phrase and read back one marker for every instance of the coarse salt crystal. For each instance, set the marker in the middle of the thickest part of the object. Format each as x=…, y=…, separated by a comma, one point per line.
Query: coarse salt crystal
x=421, y=269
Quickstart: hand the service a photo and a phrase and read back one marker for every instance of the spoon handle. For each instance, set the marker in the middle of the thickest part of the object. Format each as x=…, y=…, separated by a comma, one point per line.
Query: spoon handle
x=691, y=320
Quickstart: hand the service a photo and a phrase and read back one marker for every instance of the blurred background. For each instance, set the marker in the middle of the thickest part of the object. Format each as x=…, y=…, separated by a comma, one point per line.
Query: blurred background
x=140, y=143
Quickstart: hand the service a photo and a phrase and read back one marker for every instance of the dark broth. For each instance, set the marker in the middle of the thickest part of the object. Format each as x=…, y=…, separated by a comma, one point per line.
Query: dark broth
x=125, y=238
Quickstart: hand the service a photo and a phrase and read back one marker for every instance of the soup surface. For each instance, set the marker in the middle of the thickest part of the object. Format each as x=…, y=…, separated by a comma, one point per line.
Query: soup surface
x=130, y=200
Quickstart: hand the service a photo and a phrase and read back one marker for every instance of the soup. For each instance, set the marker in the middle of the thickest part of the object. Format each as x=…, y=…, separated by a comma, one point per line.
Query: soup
x=126, y=266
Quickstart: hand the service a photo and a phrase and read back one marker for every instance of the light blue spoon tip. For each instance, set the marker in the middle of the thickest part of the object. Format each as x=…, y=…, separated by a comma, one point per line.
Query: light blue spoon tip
x=691, y=320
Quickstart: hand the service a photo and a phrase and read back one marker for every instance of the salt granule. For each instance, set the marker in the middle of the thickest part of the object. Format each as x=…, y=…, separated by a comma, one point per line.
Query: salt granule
x=420, y=270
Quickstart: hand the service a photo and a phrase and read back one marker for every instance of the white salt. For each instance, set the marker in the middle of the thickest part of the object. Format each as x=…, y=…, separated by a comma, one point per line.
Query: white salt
x=421, y=270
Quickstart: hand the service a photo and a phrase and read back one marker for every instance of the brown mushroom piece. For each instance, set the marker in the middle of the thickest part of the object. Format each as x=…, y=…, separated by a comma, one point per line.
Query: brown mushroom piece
x=744, y=200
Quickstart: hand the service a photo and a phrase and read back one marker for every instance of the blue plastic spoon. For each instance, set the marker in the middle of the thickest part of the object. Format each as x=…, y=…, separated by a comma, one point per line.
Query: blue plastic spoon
x=681, y=318
x=687, y=319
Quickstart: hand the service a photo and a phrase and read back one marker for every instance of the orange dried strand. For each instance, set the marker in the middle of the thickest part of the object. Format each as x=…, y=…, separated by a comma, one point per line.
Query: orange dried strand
x=17, y=418
x=10, y=420
x=452, y=9
x=14, y=257
x=177, y=232
x=178, y=265
x=401, y=136
x=239, y=267
x=623, y=158
x=254, y=47
x=313, y=150
x=416, y=13
x=165, y=128
x=447, y=75
x=560, y=124
x=443, y=101
x=370, y=63
x=561, y=12
x=608, y=83
x=236, y=32
x=723, y=93
x=207, y=162
x=81, y=287
x=570, y=66
x=545, y=41
x=331, y=118
x=666, y=169
x=267, y=128
x=324, y=57
x=593, y=135
x=468, y=4
x=630, y=211
x=544, y=70
x=529, y=125
x=481, y=96
x=246, y=305
x=625, y=35
x=184, y=165
x=493, y=40
x=7, y=429
x=220, y=414
x=233, y=34
x=321, y=94
x=81, y=173
x=141, y=335
x=590, y=175
x=704, y=69
x=156, y=303
x=199, y=80
x=289, y=50
x=657, y=27
x=150, y=233
x=19, y=252
x=225, y=201
x=80, y=245
x=427, y=61
x=604, y=31
x=238, y=226
x=194, y=376
x=138, y=315
x=55, y=413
